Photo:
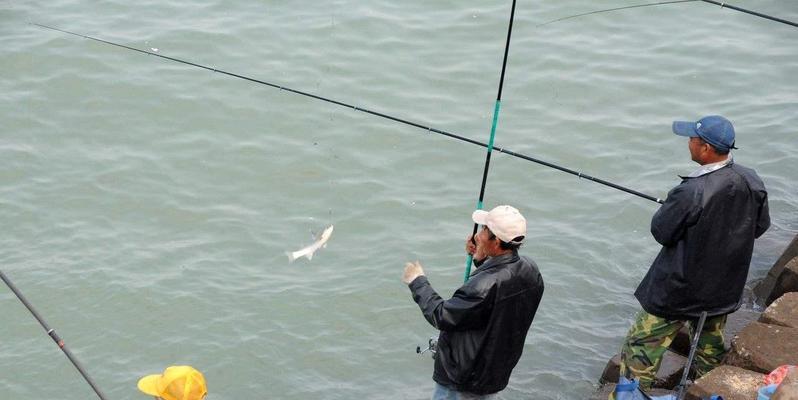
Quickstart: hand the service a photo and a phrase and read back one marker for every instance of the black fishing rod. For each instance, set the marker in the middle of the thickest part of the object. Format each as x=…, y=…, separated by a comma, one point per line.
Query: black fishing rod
x=495, y=122
x=52, y=334
x=721, y=4
x=772, y=18
x=367, y=111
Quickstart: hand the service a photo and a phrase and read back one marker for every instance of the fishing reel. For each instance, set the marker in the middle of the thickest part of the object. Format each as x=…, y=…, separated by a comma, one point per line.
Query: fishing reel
x=432, y=347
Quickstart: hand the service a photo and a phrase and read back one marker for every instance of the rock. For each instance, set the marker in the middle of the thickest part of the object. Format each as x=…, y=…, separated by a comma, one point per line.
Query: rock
x=603, y=392
x=736, y=322
x=611, y=371
x=786, y=282
x=730, y=382
x=783, y=311
x=670, y=371
x=681, y=342
x=764, y=288
x=668, y=375
x=788, y=390
x=762, y=347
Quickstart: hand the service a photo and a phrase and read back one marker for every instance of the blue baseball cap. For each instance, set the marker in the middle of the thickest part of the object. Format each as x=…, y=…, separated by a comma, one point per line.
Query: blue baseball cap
x=713, y=129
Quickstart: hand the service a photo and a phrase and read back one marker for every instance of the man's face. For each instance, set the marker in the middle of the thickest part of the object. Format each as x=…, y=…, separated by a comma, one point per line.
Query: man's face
x=486, y=245
x=698, y=148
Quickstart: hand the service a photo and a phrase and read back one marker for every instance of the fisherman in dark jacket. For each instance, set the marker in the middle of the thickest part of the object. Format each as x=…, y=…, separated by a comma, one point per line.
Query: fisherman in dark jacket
x=707, y=228
x=484, y=325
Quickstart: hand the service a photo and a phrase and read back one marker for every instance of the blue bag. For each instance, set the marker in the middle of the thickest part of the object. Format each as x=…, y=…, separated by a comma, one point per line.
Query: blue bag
x=630, y=390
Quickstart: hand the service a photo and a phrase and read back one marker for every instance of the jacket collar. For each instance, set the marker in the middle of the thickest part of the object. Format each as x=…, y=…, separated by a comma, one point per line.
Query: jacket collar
x=709, y=168
x=493, y=262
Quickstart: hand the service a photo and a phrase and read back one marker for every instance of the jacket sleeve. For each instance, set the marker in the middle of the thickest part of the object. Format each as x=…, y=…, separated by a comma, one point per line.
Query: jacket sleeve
x=467, y=309
x=680, y=210
x=763, y=220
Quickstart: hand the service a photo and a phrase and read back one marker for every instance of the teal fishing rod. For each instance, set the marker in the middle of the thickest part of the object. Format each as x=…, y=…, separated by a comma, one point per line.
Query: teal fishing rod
x=496, y=109
x=426, y=128
x=51, y=332
x=717, y=3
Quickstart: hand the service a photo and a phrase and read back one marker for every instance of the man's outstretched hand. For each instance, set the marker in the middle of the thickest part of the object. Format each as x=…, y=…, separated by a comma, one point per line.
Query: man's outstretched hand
x=412, y=271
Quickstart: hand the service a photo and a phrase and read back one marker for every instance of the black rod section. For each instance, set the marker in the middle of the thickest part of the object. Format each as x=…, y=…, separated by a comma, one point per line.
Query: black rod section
x=772, y=18
x=52, y=334
x=367, y=111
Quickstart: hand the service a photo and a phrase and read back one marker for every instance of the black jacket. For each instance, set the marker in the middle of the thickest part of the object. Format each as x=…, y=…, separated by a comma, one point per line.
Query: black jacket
x=484, y=325
x=707, y=227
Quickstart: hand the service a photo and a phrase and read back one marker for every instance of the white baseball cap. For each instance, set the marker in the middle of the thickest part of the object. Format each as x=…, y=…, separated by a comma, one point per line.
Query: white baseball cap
x=505, y=222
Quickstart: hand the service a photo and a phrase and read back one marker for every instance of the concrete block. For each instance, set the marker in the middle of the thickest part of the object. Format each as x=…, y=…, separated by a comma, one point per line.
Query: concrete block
x=670, y=371
x=783, y=311
x=681, y=343
x=786, y=282
x=668, y=375
x=611, y=370
x=762, y=347
x=731, y=382
x=735, y=323
x=763, y=289
x=788, y=390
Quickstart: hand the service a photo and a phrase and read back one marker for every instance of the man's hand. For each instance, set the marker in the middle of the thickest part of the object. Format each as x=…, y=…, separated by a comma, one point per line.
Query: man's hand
x=471, y=246
x=412, y=271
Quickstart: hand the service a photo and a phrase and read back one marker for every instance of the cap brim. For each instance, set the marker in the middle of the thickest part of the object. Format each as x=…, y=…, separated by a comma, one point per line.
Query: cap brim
x=684, y=128
x=480, y=217
x=149, y=384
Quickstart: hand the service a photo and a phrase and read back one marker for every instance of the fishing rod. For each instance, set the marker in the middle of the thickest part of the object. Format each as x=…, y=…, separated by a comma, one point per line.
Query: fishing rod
x=721, y=4
x=52, y=334
x=375, y=113
x=493, y=125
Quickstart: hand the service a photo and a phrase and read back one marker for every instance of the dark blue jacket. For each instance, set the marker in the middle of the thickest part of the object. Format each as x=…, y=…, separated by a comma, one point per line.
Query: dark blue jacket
x=484, y=325
x=707, y=228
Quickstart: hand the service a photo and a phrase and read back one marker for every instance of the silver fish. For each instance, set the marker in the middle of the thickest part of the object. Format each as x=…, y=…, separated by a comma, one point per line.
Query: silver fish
x=308, y=251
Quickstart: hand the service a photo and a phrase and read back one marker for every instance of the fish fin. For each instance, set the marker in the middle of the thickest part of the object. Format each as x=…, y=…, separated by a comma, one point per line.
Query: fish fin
x=310, y=255
x=291, y=257
x=324, y=246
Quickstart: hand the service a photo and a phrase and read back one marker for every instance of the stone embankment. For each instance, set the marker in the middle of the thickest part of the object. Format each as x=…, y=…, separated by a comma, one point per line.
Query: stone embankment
x=758, y=343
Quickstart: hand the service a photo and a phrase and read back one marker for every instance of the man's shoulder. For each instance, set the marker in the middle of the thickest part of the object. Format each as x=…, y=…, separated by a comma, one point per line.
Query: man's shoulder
x=742, y=173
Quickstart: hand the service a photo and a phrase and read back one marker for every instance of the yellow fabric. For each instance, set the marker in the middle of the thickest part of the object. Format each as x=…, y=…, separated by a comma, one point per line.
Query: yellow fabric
x=176, y=383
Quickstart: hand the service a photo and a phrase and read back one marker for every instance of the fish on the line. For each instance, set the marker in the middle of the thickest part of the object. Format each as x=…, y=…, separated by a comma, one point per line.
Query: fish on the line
x=309, y=250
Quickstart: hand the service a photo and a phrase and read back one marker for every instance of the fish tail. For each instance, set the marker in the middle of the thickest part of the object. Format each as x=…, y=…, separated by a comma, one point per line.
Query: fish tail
x=291, y=257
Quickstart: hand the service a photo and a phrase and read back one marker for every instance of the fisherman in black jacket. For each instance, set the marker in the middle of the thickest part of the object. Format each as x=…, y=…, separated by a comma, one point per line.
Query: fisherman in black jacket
x=484, y=325
x=707, y=228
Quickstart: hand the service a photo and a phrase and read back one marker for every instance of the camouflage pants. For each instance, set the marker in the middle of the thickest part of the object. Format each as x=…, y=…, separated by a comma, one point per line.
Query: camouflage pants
x=650, y=336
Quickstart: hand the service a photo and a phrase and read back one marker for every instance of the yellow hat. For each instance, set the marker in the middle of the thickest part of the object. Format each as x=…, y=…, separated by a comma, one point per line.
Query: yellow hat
x=179, y=382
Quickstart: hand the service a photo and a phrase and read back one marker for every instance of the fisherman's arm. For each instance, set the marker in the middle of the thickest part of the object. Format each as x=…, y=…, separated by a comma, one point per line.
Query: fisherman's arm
x=680, y=210
x=763, y=219
x=467, y=309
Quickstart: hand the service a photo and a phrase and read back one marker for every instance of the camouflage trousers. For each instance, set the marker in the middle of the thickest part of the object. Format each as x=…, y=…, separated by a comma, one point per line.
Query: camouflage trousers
x=650, y=336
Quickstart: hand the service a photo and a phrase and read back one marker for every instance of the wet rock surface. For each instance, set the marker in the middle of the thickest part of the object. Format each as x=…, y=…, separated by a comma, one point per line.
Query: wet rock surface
x=763, y=347
x=786, y=282
x=783, y=311
x=668, y=375
x=731, y=382
x=764, y=288
x=788, y=390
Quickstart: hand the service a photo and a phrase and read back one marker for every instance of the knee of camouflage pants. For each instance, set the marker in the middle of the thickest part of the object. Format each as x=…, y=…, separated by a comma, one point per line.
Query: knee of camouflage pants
x=644, y=346
x=711, y=348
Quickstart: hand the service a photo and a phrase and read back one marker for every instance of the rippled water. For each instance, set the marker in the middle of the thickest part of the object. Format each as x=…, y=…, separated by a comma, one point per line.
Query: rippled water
x=146, y=206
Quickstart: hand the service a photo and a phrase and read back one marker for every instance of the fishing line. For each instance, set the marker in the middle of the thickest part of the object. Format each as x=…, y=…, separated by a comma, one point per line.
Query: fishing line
x=613, y=9
x=495, y=122
x=721, y=4
x=52, y=334
x=428, y=129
